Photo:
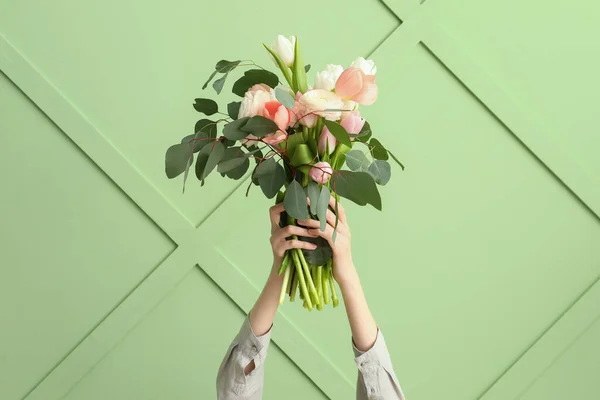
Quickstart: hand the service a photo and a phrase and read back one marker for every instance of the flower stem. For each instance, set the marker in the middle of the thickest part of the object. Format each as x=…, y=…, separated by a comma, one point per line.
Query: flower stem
x=311, y=285
x=295, y=282
x=320, y=286
x=333, y=293
x=325, y=283
x=301, y=277
x=284, y=285
x=284, y=263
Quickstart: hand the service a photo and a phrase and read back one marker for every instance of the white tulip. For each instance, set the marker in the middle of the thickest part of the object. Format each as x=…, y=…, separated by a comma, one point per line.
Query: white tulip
x=284, y=48
x=368, y=66
x=319, y=100
x=326, y=79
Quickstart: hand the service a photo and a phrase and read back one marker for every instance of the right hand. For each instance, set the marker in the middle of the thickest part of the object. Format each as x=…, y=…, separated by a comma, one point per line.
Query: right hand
x=279, y=235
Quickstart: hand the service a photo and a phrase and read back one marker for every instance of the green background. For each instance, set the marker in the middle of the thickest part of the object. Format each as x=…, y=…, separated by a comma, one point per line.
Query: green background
x=482, y=270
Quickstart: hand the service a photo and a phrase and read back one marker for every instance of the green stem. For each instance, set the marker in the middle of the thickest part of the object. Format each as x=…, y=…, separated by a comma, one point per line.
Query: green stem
x=294, y=286
x=333, y=293
x=301, y=277
x=320, y=287
x=325, y=282
x=284, y=263
x=288, y=289
x=311, y=285
x=284, y=285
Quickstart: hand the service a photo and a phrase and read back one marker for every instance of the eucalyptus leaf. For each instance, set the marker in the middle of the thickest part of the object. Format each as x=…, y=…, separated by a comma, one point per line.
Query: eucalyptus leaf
x=210, y=78
x=271, y=182
x=322, y=207
x=233, y=109
x=313, y=194
x=232, y=158
x=225, y=66
x=379, y=152
x=207, y=126
x=176, y=159
x=218, y=84
x=321, y=255
x=284, y=98
x=253, y=77
x=239, y=171
x=233, y=130
x=259, y=126
x=196, y=141
x=356, y=160
x=307, y=68
x=381, y=171
x=208, y=158
x=396, y=159
x=187, y=171
x=365, y=133
x=358, y=187
x=265, y=168
x=206, y=106
x=295, y=202
x=339, y=132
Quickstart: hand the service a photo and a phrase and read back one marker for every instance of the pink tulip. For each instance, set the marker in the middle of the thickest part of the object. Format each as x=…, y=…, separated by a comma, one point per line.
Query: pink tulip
x=353, y=123
x=321, y=172
x=353, y=84
x=270, y=139
x=326, y=139
x=277, y=113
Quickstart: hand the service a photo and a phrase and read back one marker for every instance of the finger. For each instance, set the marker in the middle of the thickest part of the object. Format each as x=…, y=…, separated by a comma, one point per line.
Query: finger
x=331, y=221
x=290, y=230
x=295, y=244
x=330, y=218
x=275, y=213
x=341, y=210
x=309, y=223
x=327, y=234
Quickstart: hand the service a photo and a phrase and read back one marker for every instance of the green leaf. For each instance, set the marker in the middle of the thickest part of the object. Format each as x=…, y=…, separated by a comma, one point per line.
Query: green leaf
x=253, y=77
x=270, y=176
x=307, y=68
x=381, y=171
x=218, y=84
x=292, y=142
x=284, y=98
x=225, y=66
x=302, y=156
x=196, y=141
x=187, y=171
x=337, y=219
x=206, y=106
x=259, y=126
x=358, y=187
x=239, y=171
x=395, y=159
x=298, y=72
x=232, y=158
x=210, y=78
x=356, y=160
x=379, y=152
x=176, y=159
x=284, y=69
x=322, y=206
x=208, y=158
x=295, y=201
x=207, y=126
x=365, y=133
x=313, y=194
x=233, y=109
x=313, y=146
x=233, y=130
x=339, y=132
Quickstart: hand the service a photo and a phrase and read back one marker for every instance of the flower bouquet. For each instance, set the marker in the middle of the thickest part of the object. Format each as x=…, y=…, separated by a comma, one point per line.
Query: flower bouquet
x=300, y=138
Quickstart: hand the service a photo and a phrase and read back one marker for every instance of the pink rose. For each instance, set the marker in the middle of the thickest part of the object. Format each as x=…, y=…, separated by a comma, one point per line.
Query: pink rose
x=300, y=111
x=353, y=122
x=277, y=113
x=326, y=139
x=254, y=100
x=270, y=139
x=321, y=172
x=353, y=84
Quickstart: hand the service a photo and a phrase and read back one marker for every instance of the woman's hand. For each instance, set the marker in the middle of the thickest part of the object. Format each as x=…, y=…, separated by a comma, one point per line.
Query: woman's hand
x=343, y=266
x=279, y=242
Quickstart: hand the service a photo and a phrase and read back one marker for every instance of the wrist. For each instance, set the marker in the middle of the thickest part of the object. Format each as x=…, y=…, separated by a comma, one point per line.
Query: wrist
x=347, y=277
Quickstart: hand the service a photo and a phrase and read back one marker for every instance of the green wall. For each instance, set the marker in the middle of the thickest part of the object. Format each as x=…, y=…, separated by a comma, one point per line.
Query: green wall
x=482, y=270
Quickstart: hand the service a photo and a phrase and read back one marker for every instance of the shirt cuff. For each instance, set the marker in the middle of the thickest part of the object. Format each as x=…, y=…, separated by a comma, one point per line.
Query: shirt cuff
x=251, y=346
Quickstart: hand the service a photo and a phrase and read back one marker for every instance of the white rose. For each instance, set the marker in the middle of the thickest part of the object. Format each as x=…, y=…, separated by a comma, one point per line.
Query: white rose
x=368, y=66
x=254, y=100
x=284, y=48
x=319, y=100
x=326, y=79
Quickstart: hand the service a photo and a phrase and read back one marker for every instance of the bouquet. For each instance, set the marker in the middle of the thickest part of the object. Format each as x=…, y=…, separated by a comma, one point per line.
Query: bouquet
x=307, y=144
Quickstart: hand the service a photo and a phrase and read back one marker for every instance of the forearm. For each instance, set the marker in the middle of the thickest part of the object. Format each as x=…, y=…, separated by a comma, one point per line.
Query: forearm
x=362, y=323
x=263, y=313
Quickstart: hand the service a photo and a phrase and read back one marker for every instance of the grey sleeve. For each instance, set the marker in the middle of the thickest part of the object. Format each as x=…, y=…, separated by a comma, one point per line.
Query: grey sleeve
x=232, y=383
x=376, y=377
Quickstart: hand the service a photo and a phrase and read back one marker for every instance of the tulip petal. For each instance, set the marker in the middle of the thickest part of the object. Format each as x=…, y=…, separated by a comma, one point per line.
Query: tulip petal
x=367, y=95
x=350, y=83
